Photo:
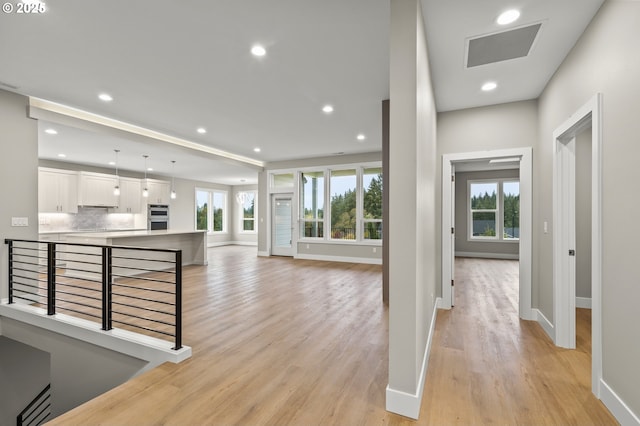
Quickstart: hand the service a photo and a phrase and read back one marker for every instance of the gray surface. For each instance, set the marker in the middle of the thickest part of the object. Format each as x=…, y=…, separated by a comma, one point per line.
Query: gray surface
x=502, y=46
x=24, y=373
x=583, y=214
x=604, y=60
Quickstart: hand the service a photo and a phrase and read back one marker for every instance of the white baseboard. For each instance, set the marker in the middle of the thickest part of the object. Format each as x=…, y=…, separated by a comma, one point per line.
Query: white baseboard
x=367, y=260
x=404, y=403
x=440, y=304
x=263, y=253
x=244, y=243
x=545, y=324
x=618, y=408
x=583, y=302
x=487, y=255
x=231, y=243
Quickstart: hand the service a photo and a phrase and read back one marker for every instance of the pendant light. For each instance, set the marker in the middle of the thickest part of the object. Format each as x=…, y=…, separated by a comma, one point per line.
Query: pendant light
x=116, y=189
x=173, y=188
x=145, y=191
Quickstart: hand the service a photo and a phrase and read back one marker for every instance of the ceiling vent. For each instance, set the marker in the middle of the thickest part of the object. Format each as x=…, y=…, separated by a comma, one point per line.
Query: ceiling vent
x=501, y=46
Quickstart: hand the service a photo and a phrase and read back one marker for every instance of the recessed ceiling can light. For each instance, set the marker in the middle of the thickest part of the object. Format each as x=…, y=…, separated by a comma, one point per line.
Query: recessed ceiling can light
x=201, y=130
x=62, y=155
x=112, y=163
x=105, y=97
x=489, y=86
x=328, y=109
x=257, y=50
x=361, y=137
x=508, y=17
x=256, y=149
x=51, y=131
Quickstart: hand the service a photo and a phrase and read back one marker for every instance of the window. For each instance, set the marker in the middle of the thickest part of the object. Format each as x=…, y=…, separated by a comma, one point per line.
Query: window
x=372, y=203
x=210, y=210
x=484, y=209
x=312, y=205
x=283, y=180
x=343, y=204
x=247, y=202
x=494, y=210
x=511, y=210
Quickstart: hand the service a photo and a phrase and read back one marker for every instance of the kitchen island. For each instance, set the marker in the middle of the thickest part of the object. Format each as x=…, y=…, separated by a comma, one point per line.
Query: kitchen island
x=192, y=243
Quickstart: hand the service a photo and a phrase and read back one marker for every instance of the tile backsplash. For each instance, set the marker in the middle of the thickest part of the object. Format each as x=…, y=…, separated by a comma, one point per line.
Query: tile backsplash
x=87, y=219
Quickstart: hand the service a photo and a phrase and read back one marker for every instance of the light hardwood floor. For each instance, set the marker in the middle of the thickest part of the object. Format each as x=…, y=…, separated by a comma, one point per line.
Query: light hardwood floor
x=277, y=341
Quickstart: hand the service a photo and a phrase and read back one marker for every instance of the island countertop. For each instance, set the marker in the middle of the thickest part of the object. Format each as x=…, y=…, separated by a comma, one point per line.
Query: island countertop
x=136, y=233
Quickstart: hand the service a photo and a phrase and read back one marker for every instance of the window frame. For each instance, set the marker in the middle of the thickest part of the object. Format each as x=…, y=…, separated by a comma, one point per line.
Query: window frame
x=302, y=220
x=241, y=217
x=498, y=211
x=211, y=208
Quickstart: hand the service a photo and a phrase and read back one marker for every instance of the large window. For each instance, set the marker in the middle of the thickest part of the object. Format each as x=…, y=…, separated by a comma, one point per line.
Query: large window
x=353, y=200
x=211, y=210
x=343, y=204
x=312, y=204
x=247, y=210
x=372, y=203
x=494, y=210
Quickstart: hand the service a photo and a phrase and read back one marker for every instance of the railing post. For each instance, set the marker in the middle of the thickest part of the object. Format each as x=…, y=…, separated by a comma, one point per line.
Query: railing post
x=51, y=278
x=107, y=276
x=10, y=243
x=178, y=300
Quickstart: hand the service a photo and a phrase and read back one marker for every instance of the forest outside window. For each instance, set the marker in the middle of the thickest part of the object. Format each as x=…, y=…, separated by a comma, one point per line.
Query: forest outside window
x=494, y=210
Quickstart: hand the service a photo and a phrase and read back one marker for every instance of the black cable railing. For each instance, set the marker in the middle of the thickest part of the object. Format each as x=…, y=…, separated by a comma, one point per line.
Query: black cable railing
x=38, y=410
x=138, y=289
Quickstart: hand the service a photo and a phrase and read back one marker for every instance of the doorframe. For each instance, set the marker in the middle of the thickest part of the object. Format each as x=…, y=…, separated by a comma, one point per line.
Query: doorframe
x=564, y=295
x=272, y=196
x=525, y=243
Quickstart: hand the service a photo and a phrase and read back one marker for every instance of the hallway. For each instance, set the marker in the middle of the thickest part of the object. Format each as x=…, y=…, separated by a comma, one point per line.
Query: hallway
x=489, y=367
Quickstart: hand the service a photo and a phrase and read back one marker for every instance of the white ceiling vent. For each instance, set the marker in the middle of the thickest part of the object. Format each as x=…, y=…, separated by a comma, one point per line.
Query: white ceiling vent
x=501, y=46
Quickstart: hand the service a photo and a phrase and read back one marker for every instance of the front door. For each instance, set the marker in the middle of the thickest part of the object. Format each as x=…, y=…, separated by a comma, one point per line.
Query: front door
x=282, y=225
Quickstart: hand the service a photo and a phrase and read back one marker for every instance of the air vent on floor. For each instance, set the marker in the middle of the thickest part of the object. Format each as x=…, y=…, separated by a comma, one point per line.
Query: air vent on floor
x=501, y=46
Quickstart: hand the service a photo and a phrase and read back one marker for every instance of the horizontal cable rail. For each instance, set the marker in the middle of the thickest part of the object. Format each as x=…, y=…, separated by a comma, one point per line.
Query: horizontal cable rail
x=137, y=288
x=38, y=410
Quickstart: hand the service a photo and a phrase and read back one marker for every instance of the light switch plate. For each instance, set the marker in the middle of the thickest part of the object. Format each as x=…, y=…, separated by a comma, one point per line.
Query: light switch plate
x=19, y=221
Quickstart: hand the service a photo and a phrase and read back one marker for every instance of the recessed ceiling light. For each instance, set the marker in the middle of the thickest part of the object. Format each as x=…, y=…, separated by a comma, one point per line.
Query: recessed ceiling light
x=508, y=17
x=361, y=137
x=201, y=130
x=62, y=155
x=112, y=163
x=51, y=131
x=105, y=97
x=257, y=50
x=489, y=86
x=328, y=109
x=149, y=169
x=256, y=150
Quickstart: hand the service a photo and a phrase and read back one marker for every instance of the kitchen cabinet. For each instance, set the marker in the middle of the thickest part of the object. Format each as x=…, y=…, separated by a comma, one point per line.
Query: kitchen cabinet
x=96, y=190
x=130, y=196
x=159, y=191
x=57, y=191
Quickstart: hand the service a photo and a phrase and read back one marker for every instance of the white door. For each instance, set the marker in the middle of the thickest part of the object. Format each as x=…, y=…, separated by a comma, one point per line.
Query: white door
x=282, y=225
x=453, y=232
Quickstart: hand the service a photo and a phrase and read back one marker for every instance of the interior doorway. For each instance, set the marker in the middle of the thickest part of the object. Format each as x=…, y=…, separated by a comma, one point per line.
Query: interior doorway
x=282, y=231
x=450, y=166
x=583, y=127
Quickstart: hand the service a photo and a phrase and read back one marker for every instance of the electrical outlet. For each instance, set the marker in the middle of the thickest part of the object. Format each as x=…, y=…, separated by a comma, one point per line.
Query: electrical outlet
x=307, y=246
x=19, y=221
x=375, y=249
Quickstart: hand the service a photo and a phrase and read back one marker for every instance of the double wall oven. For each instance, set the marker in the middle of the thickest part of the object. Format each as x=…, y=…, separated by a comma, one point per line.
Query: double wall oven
x=158, y=216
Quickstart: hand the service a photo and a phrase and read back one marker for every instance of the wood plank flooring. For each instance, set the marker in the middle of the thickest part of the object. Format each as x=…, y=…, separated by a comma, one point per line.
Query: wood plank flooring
x=279, y=341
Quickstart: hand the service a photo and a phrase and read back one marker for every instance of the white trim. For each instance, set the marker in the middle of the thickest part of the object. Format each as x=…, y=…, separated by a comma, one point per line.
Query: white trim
x=232, y=243
x=589, y=112
x=404, y=403
x=126, y=342
x=583, y=302
x=526, y=208
x=366, y=260
x=616, y=405
x=263, y=253
x=545, y=324
x=482, y=255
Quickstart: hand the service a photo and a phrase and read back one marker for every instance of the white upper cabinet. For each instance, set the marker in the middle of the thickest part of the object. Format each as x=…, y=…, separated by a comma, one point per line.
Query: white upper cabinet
x=130, y=196
x=159, y=191
x=96, y=190
x=57, y=191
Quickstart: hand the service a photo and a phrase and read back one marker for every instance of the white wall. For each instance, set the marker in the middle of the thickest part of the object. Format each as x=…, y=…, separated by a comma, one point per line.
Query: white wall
x=604, y=60
x=18, y=175
x=412, y=232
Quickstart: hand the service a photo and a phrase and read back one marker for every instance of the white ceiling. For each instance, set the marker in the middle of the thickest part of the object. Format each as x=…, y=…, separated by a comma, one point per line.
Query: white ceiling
x=174, y=66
